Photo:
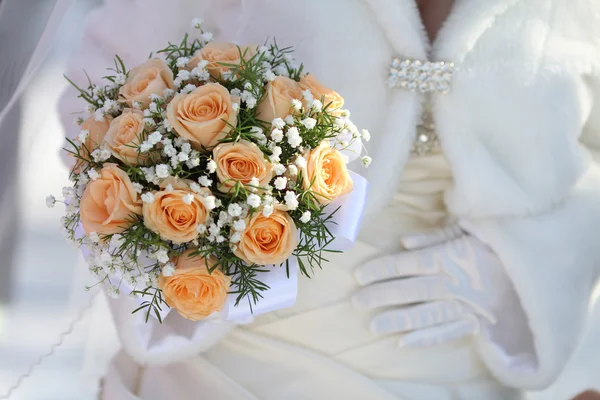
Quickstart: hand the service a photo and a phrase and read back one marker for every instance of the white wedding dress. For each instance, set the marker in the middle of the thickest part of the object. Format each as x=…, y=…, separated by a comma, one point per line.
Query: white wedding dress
x=515, y=129
x=322, y=348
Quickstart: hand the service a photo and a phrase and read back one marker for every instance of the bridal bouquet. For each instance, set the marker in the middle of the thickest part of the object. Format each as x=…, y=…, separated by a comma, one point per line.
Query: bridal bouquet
x=205, y=169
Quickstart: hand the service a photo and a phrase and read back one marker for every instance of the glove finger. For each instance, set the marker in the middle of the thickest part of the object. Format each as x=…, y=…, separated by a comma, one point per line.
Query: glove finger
x=399, y=292
x=440, y=334
x=399, y=265
x=417, y=317
x=428, y=239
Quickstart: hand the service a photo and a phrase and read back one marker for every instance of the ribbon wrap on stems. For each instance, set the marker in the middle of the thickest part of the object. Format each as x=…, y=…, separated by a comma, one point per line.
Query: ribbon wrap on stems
x=283, y=289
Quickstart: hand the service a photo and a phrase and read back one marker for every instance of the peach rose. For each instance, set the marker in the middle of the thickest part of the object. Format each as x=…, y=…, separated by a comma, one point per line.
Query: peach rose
x=218, y=53
x=326, y=173
x=320, y=91
x=268, y=240
x=125, y=135
x=240, y=162
x=171, y=217
x=97, y=130
x=204, y=115
x=152, y=77
x=277, y=101
x=107, y=204
x=193, y=291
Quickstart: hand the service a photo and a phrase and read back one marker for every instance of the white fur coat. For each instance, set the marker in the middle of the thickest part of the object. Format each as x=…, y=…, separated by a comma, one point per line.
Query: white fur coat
x=524, y=105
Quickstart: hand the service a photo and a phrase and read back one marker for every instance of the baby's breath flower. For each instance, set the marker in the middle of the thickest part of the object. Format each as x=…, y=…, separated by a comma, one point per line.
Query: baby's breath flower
x=278, y=123
x=289, y=120
x=183, y=75
x=251, y=102
x=267, y=210
x=205, y=181
x=210, y=202
x=296, y=105
x=182, y=62
x=201, y=74
x=162, y=255
x=239, y=225
x=148, y=197
x=149, y=122
x=308, y=96
x=194, y=187
x=83, y=135
x=197, y=23
x=235, y=210
x=235, y=238
x=254, y=184
x=146, y=147
x=290, y=200
x=293, y=136
x=120, y=79
x=293, y=170
x=300, y=162
x=280, y=183
x=155, y=137
x=253, y=200
x=317, y=105
x=201, y=229
x=269, y=75
x=366, y=135
x=281, y=70
x=168, y=269
x=50, y=201
x=162, y=171
x=276, y=151
x=93, y=174
x=99, y=115
x=188, y=198
x=277, y=135
x=366, y=160
x=138, y=187
x=279, y=169
x=109, y=105
x=305, y=217
x=101, y=155
x=309, y=123
x=182, y=157
x=188, y=88
x=168, y=93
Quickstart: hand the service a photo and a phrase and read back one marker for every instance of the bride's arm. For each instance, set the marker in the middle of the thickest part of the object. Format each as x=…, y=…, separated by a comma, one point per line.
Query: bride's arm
x=553, y=260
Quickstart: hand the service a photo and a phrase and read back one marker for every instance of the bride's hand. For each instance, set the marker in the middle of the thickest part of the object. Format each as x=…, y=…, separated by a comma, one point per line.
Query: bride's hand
x=443, y=287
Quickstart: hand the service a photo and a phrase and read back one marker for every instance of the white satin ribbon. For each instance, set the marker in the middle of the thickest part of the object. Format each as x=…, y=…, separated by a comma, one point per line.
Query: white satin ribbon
x=345, y=223
x=282, y=290
x=282, y=293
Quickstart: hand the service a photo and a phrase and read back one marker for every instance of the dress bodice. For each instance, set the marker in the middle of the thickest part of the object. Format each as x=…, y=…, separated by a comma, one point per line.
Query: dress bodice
x=324, y=319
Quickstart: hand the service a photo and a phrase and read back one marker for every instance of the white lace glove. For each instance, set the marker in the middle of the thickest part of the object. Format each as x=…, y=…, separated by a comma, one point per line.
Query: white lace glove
x=444, y=287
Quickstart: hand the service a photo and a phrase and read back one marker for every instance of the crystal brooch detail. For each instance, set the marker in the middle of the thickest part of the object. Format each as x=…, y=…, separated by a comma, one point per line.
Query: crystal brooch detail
x=424, y=76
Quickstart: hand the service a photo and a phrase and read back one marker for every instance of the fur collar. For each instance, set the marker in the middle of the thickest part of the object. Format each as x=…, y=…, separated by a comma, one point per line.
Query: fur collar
x=468, y=20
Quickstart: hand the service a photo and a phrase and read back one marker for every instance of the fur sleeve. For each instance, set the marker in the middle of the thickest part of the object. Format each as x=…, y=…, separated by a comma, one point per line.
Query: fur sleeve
x=553, y=260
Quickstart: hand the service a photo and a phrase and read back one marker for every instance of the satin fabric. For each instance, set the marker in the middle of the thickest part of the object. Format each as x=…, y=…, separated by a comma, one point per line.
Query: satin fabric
x=322, y=347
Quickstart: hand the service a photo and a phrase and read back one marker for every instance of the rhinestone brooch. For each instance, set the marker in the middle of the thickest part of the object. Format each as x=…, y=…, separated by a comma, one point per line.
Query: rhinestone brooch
x=424, y=76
